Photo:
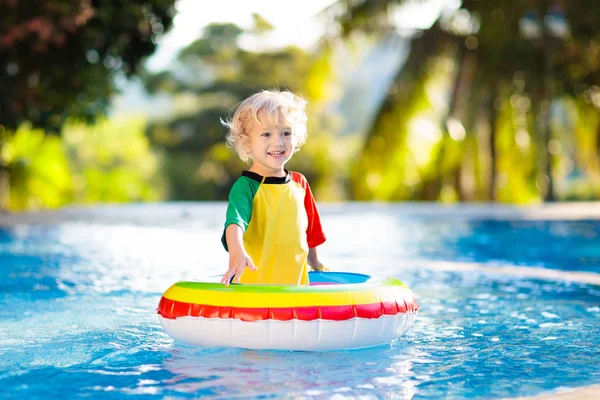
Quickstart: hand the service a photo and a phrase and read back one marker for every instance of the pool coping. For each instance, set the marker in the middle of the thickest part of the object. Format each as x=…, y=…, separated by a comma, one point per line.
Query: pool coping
x=581, y=393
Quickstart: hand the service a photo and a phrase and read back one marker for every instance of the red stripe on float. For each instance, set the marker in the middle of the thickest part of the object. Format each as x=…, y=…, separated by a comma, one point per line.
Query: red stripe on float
x=251, y=314
x=306, y=313
x=368, y=310
x=281, y=314
x=389, y=307
x=209, y=311
x=173, y=309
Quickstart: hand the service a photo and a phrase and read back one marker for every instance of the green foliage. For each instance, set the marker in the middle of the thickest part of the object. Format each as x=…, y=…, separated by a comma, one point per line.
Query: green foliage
x=581, y=190
x=109, y=162
x=38, y=168
x=580, y=162
x=516, y=163
x=112, y=161
x=216, y=72
x=58, y=57
x=587, y=137
x=261, y=25
x=506, y=83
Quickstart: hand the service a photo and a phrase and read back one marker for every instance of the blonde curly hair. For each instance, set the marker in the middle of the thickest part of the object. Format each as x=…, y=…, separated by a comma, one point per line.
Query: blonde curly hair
x=265, y=107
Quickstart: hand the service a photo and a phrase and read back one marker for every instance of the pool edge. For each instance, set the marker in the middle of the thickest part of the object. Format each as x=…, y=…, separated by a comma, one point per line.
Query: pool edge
x=580, y=393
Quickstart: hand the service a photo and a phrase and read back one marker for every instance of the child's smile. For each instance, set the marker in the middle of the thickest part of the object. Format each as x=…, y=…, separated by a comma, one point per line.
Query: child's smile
x=276, y=154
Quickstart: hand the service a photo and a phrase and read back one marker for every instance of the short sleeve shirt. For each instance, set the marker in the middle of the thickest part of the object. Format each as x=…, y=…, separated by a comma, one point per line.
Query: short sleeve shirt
x=281, y=222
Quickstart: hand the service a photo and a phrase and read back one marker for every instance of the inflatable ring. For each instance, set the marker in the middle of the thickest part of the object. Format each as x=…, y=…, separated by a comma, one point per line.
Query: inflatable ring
x=337, y=310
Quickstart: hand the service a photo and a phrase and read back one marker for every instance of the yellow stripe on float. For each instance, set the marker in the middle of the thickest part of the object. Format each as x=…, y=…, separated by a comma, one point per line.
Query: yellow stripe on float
x=259, y=300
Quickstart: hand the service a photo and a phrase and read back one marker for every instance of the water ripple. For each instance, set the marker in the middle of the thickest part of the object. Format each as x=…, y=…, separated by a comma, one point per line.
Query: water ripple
x=78, y=315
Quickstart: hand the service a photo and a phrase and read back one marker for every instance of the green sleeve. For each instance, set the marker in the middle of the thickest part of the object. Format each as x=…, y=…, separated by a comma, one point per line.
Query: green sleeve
x=239, y=209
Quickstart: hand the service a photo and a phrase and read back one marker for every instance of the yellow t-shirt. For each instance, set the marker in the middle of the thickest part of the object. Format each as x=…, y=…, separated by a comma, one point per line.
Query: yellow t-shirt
x=280, y=222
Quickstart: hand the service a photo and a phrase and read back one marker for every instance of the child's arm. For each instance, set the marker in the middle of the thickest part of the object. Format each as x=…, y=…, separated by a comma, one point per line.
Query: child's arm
x=238, y=258
x=313, y=260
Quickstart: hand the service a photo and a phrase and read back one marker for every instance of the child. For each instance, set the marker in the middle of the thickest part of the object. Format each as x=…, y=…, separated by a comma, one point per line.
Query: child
x=272, y=226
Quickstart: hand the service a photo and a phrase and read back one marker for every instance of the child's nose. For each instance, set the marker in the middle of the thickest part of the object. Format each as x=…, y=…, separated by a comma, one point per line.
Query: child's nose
x=279, y=139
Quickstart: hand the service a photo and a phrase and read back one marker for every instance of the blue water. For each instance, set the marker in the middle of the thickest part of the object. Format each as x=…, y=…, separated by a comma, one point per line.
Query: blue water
x=78, y=299
x=566, y=245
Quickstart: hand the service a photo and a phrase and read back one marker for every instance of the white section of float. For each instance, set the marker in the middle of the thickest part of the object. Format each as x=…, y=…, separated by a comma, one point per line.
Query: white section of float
x=288, y=335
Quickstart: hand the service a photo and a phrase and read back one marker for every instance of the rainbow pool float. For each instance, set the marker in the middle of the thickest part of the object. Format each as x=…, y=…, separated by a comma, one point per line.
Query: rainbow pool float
x=338, y=310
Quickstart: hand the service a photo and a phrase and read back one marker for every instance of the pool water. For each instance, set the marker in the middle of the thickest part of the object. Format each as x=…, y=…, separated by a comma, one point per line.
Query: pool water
x=78, y=309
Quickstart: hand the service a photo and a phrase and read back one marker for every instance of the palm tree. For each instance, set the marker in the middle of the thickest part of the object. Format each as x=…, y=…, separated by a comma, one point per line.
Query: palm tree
x=506, y=66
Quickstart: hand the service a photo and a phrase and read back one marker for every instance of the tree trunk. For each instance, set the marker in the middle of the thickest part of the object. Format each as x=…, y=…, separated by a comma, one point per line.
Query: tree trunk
x=546, y=104
x=493, y=172
x=4, y=189
x=467, y=97
x=452, y=106
x=598, y=147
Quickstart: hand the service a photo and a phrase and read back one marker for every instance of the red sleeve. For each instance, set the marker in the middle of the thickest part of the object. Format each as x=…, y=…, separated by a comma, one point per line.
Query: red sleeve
x=314, y=233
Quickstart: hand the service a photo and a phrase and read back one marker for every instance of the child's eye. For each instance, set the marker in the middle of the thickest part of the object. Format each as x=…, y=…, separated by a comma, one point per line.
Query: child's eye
x=287, y=133
x=266, y=134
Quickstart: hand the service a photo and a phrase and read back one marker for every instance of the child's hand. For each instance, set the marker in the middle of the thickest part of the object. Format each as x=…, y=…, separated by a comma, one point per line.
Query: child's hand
x=313, y=260
x=320, y=267
x=237, y=263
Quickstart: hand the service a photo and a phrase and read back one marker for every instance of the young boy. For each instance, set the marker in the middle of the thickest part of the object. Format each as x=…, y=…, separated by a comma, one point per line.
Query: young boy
x=272, y=226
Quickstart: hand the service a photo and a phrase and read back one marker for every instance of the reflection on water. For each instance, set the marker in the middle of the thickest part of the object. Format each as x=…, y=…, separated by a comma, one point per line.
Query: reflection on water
x=77, y=312
x=381, y=371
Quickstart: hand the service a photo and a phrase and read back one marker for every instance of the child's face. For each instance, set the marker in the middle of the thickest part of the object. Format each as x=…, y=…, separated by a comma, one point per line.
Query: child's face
x=270, y=146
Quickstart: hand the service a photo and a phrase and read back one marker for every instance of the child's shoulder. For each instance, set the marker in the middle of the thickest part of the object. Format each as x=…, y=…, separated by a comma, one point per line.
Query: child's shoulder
x=242, y=181
x=247, y=178
x=299, y=178
x=244, y=184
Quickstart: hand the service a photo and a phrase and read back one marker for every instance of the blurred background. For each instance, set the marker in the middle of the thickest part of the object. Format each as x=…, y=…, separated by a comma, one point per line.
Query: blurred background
x=409, y=100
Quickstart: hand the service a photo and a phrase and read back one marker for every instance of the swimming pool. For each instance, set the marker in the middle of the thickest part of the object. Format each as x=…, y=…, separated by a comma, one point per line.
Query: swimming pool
x=78, y=300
